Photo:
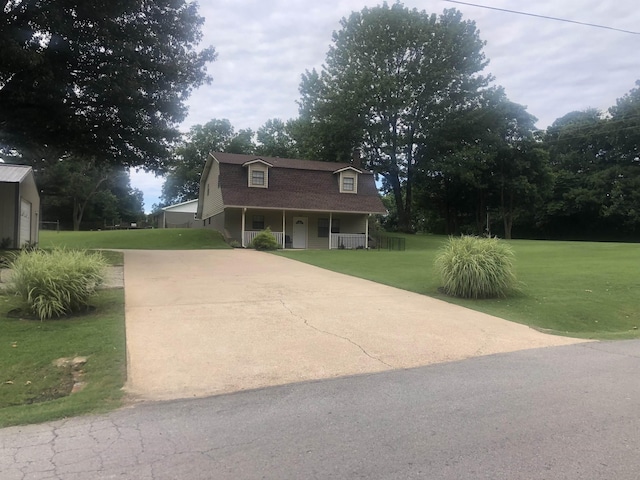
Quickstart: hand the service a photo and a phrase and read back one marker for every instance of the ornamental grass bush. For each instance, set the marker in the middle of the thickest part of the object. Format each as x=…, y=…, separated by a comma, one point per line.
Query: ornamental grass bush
x=265, y=241
x=475, y=267
x=56, y=283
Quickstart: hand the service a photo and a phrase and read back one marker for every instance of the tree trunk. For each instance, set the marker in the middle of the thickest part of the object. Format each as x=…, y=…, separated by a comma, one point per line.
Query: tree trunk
x=403, y=221
x=407, y=227
x=78, y=207
x=507, y=213
x=481, y=214
x=78, y=211
x=448, y=211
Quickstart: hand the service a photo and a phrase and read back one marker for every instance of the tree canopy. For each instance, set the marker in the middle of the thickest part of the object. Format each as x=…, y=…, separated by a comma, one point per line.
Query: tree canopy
x=596, y=164
x=106, y=79
x=85, y=192
x=391, y=74
x=182, y=181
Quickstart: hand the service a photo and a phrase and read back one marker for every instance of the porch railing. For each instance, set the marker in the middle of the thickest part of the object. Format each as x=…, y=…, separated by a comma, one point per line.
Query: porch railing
x=348, y=240
x=249, y=235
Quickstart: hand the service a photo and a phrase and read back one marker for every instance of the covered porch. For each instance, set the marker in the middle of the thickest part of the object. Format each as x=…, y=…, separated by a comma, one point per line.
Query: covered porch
x=306, y=229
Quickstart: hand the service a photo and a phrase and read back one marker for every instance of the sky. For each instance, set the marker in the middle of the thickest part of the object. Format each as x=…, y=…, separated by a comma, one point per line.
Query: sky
x=551, y=67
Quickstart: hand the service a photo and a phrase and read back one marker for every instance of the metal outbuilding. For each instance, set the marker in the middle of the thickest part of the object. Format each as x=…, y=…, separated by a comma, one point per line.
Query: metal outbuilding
x=19, y=206
x=180, y=215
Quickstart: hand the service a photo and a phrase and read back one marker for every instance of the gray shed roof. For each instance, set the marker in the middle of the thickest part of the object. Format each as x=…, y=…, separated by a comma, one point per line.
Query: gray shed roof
x=13, y=173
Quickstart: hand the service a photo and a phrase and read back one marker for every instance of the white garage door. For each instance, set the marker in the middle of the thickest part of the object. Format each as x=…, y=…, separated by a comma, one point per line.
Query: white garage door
x=25, y=222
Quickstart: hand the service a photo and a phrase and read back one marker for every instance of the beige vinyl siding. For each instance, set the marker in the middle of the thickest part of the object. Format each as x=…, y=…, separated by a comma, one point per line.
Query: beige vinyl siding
x=217, y=223
x=213, y=203
x=313, y=242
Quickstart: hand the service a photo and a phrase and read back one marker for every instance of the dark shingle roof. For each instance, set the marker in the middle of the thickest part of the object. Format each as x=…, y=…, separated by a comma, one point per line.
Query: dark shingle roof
x=296, y=184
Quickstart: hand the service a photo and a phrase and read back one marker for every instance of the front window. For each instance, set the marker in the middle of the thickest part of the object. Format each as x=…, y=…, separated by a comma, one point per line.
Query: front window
x=257, y=222
x=348, y=184
x=323, y=228
x=257, y=178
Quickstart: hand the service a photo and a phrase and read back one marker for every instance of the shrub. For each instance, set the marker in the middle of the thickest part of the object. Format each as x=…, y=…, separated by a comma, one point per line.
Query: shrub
x=265, y=241
x=56, y=283
x=474, y=267
x=235, y=244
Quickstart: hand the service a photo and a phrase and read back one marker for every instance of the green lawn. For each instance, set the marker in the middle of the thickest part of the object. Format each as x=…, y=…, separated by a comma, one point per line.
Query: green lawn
x=579, y=289
x=33, y=390
x=143, y=239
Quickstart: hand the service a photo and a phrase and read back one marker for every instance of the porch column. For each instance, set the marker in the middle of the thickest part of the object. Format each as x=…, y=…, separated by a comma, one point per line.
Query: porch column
x=330, y=221
x=244, y=211
x=283, y=230
x=366, y=232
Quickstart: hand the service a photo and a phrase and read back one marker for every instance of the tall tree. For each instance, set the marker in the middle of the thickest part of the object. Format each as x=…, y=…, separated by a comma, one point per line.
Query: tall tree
x=390, y=75
x=483, y=158
x=596, y=163
x=574, y=142
x=182, y=180
x=98, y=78
x=275, y=139
x=76, y=191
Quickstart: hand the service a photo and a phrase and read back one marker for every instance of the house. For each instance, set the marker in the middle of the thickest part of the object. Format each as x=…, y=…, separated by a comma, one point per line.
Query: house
x=19, y=206
x=306, y=204
x=180, y=215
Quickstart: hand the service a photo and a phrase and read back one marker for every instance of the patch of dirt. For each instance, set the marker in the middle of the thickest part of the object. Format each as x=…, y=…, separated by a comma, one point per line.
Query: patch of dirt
x=62, y=389
x=72, y=380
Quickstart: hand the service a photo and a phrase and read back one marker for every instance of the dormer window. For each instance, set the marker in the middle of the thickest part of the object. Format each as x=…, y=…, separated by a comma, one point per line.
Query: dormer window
x=348, y=179
x=258, y=173
x=257, y=178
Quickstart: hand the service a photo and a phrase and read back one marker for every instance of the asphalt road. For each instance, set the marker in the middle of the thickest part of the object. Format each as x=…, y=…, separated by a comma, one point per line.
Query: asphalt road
x=556, y=413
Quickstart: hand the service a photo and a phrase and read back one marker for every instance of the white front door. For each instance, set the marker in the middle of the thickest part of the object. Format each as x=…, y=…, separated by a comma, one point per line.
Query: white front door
x=25, y=222
x=299, y=232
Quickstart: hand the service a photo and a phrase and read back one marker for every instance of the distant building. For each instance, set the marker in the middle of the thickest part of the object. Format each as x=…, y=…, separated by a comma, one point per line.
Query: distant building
x=19, y=206
x=180, y=215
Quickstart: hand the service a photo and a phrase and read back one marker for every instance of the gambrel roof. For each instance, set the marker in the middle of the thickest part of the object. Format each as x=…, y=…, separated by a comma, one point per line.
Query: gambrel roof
x=295, y=184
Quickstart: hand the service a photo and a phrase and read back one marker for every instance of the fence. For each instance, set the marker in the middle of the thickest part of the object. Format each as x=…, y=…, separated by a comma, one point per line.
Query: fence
x=249, y=235
x=348, y=241
x=50, y=225
x=386, y=242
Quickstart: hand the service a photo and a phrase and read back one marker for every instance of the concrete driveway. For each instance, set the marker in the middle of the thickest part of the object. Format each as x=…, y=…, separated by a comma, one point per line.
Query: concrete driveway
x=216, y=321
